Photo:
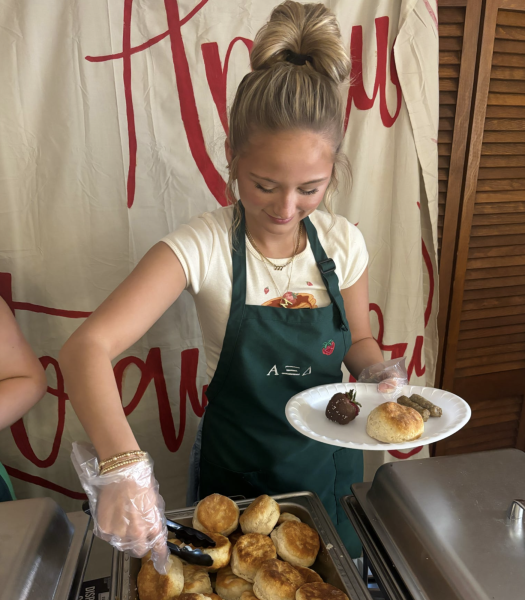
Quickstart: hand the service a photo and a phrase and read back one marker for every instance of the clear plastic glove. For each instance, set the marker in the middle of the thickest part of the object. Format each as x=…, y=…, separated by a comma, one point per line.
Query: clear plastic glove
x=390, y=376
x=126, y=507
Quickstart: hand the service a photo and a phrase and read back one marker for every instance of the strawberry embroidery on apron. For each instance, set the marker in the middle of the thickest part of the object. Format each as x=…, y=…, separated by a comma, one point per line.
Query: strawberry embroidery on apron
x=328, y=347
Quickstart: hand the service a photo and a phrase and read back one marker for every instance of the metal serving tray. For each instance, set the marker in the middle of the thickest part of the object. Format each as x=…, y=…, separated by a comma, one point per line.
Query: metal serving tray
x=42, y=550
x=443, y=523
x=333, y=563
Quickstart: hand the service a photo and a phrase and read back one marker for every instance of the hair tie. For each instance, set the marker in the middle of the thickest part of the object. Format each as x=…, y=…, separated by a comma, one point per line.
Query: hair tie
x=297, y=59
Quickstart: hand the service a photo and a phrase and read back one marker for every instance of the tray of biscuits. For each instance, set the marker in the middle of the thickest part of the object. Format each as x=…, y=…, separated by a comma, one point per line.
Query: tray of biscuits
x=272, y=548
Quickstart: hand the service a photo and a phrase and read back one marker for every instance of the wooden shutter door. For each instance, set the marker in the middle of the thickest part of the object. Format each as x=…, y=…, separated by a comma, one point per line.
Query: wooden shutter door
x=484, y=349
x=459, y=22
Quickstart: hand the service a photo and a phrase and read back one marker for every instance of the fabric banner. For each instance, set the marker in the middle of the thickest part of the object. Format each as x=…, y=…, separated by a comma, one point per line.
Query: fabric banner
x=112, y=124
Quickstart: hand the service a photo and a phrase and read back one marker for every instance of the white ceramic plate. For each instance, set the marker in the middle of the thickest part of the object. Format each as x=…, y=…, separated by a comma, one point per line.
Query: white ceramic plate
x=306, y=413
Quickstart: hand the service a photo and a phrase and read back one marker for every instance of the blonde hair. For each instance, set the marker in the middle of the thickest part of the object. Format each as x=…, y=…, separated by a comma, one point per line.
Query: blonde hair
x=279, y=94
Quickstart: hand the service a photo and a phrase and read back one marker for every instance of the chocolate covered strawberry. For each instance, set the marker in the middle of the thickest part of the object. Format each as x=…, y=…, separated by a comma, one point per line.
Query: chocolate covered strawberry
x=343, y=408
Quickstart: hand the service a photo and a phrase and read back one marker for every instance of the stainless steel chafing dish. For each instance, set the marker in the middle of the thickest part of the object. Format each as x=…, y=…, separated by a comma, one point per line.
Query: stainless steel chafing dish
x=445, y=528
x=333, y=563
x=43, y=551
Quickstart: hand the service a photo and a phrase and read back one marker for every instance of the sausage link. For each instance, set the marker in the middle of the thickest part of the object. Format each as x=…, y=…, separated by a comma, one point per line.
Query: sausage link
x=434, y=410
x=404, y=401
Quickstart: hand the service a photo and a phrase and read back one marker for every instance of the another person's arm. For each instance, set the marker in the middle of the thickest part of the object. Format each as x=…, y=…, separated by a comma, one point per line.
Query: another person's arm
x=22, y=378
x=364, y=350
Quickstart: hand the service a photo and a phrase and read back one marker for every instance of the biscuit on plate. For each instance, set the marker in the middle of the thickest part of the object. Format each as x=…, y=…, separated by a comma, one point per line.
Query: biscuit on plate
x=320, y=591
x=229, y=586
x=296, y=543
x=216, y=514
x=277, y=580
x=249, y=553
x=196, y=580
x=261, y=516
x=153, y=586
x=392, y=423
x=248, y=596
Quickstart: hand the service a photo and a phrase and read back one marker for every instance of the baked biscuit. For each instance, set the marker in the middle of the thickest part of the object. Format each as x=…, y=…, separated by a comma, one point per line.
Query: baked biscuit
x=189, y=596
x=248, y=596
x=287, y=517
x=296, y=543
x=196, y=580
x=319, y=591
x=249, y=553
x=216, y=514
x=277, y=580
x=261, y=516
x=391, y=422
x=229, y=586
x=153, y=586
x=309, y=575
x=233, y=537
x=220, y=554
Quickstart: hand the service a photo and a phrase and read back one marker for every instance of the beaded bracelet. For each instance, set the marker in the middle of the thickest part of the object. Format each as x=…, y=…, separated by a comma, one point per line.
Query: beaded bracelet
x=120, y=456
x=123, y=463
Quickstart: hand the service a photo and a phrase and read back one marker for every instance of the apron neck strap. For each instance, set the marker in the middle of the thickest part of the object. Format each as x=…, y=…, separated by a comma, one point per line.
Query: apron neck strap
x=326, y=267
x=239, y=260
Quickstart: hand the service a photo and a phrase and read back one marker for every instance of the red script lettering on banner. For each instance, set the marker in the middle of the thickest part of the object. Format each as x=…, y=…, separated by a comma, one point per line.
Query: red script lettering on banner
x=216, y=77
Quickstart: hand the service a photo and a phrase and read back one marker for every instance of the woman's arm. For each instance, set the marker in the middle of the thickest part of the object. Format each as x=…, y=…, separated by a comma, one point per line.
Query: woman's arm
x=22, y=378
x=364, y=350
x=119, y=322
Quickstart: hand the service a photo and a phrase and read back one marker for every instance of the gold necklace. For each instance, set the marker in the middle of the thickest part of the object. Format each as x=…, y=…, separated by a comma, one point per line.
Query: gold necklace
x=267, y=260
x=283, y=301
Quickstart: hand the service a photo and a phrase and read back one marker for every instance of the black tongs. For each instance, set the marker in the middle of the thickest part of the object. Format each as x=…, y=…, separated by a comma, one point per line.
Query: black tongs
x=196, y=538
x=187, y=535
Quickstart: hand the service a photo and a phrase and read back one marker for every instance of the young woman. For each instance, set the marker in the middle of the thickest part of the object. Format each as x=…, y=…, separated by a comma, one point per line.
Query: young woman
x=281, y=292
x=22, y=382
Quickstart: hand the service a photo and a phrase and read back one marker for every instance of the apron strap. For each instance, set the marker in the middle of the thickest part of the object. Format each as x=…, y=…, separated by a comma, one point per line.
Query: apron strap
x=326, y=267
x=237, y=307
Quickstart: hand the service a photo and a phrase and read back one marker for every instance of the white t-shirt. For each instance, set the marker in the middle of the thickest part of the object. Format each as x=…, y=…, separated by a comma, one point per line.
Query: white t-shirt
x=203, y=247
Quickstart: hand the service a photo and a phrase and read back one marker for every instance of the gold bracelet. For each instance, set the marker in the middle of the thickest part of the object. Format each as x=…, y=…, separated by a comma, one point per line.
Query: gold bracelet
x=119, y=456
x=123, y=463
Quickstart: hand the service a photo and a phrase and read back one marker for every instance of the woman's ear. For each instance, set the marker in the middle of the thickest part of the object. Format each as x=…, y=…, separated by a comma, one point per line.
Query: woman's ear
x=228, y=152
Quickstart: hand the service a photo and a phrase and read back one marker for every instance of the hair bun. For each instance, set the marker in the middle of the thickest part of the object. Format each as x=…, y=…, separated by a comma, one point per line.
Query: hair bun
x=302, y=34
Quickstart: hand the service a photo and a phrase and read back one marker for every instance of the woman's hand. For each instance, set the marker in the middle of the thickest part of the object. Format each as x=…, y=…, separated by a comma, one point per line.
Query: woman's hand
x=127, y=509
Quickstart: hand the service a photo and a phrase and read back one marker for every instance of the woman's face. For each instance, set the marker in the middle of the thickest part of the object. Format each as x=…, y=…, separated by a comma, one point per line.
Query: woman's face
x=282, y=178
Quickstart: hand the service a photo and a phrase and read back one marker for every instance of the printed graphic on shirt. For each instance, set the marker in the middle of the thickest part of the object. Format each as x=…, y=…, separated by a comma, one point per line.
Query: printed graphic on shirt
x=293, y=300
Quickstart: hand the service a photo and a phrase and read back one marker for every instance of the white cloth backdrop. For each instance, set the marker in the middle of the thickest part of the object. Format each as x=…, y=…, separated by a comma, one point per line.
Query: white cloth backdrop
x=112, y=120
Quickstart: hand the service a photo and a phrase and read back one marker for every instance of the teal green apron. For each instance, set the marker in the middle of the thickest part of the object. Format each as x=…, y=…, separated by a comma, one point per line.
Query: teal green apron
x=6, y=488
x=269, y=355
